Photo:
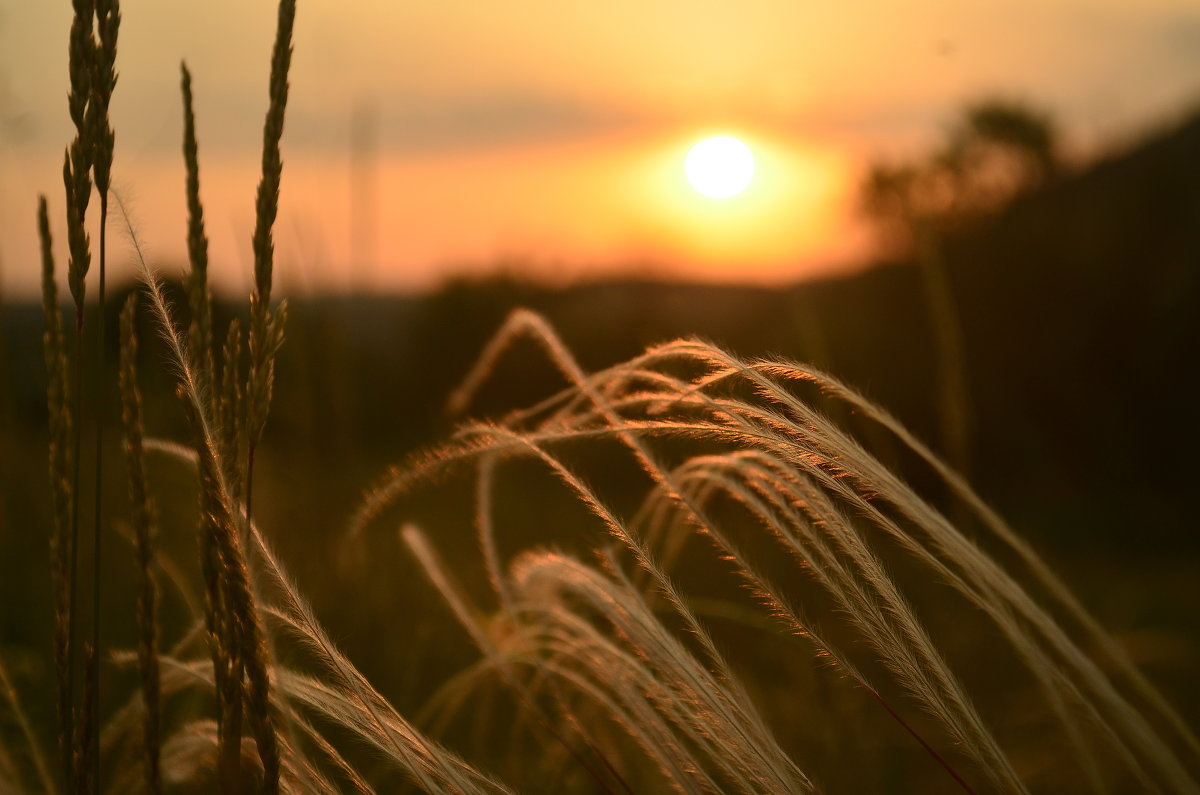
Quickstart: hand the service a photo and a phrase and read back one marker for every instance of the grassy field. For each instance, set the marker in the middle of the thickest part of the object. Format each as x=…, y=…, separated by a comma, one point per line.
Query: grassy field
x=442, y=545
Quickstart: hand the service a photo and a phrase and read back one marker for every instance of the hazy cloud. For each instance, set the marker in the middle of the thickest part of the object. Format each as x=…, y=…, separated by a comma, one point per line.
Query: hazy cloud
x=486, y=121
x=1180, y=36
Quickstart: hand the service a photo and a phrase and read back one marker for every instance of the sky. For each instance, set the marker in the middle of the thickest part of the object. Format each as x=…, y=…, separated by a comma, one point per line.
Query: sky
x=430, y=139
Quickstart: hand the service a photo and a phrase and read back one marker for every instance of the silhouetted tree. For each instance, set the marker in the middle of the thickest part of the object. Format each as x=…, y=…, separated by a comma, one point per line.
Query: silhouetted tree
x=995, y=151
x=1001, y=148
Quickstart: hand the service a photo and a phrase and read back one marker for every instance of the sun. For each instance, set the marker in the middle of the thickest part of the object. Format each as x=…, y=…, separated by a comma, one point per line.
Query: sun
x=720, y=167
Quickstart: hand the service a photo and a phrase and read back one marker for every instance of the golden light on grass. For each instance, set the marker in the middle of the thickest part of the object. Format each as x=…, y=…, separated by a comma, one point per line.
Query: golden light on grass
x=720, y=167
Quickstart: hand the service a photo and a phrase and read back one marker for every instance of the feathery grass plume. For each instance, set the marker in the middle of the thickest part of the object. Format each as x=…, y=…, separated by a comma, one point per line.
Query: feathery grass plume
x=697, y=726
x=341, y=695
x=59, y=413
x=817, y=492
x=706, y=713
x=224, y=625
x=861, y=590
x=996, y=593
x=144, y=523
x=200, y=334
x=248, y=644
x=349, y=700
x=670, y=752
x=504, y=656
x=267, y=327
x=220, y=620
x=1041, y=643
x=219, y=623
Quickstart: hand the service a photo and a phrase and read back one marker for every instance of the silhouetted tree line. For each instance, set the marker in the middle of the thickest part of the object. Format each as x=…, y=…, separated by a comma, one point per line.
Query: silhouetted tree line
x=996, y=150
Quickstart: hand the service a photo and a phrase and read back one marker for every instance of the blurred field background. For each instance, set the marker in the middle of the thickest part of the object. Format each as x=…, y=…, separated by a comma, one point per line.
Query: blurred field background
x=1078, y=305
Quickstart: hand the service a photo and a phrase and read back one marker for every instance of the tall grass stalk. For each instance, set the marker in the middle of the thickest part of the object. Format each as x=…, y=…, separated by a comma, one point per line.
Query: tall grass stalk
x=61, y=471
x=219, y=620
x=236, y=652
x=91, y=68
x=77, y=167
x=267, y=326
x=104, y=80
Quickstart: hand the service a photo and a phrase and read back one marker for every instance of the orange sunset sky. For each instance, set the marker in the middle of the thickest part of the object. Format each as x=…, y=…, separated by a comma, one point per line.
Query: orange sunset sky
x=554, y=133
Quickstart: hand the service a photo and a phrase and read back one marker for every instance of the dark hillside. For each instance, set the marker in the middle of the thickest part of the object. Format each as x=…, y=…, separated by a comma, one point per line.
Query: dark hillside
x=1081, y=311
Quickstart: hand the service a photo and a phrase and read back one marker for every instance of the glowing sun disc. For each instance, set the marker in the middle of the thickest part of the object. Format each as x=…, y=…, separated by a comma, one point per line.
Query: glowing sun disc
x=719, y=167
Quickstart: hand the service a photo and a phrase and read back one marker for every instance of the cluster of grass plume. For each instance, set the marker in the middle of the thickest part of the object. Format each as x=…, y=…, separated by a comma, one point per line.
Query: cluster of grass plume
x=236, y=638
x=830, y=505
x=613, y=671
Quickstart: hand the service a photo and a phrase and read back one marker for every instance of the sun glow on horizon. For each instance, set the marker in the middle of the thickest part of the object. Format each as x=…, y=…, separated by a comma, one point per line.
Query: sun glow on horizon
x=720, y=167
x=789, y=219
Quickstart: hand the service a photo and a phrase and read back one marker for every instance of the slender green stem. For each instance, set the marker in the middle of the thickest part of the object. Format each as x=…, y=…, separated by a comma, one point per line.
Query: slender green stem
x=941, y=760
